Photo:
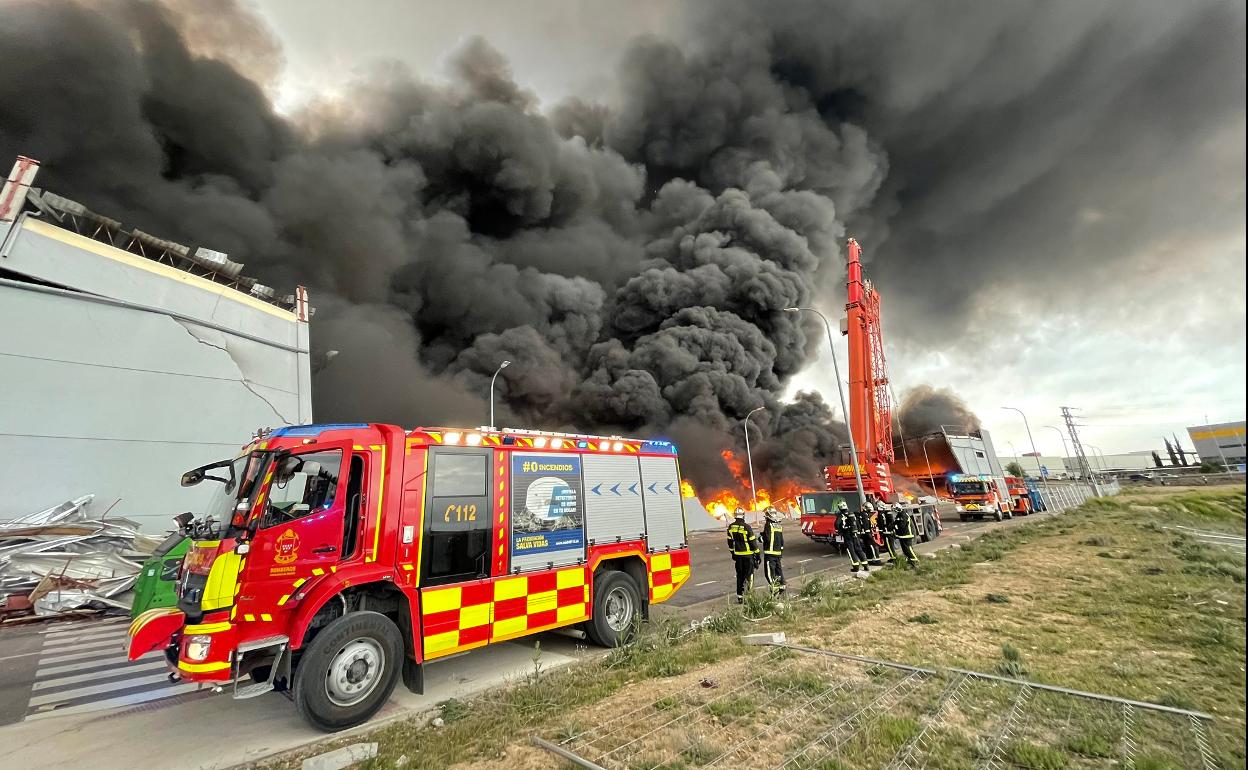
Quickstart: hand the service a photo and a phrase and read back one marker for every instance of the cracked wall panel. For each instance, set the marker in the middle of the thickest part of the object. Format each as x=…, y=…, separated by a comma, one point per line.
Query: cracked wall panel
x=63, y=328
x=265, y=367
x=120, y=402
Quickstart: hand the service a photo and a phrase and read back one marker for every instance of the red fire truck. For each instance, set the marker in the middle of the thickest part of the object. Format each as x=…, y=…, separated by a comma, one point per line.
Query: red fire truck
x=334, y=559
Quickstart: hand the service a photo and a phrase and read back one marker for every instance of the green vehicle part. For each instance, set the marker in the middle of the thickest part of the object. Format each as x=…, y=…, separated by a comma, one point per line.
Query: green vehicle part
x=158, y=580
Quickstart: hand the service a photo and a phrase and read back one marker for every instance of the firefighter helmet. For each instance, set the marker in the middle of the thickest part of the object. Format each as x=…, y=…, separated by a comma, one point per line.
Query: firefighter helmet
x=842, y=506
x=898, y=507
x=772, y=514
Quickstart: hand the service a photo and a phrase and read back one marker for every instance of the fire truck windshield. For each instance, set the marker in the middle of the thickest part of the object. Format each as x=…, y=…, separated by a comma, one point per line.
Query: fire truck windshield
x=970, y=488
x=220, y=508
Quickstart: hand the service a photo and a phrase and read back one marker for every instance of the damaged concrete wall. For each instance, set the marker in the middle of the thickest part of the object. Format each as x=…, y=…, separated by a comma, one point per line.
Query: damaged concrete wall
x=120, y=373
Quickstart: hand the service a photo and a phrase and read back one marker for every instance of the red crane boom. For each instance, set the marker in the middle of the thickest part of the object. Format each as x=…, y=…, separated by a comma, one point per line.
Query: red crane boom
x=870, y=409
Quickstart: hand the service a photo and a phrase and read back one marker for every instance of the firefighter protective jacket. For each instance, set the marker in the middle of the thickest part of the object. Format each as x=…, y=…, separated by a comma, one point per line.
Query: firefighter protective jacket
x=903, y=526
x=773, y=539
x=741, y=539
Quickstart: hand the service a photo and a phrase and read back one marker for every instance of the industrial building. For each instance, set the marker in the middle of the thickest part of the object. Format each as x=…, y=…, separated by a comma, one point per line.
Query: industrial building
x=129, y=359
x=1220, y=444
x=1068, y=467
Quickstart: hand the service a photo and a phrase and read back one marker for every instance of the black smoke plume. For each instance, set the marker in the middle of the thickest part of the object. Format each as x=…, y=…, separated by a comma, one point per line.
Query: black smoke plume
x=925, y=409
x=633, y=258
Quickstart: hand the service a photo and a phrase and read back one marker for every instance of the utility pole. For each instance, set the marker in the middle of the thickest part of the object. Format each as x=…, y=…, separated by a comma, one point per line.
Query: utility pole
x=1080, y=456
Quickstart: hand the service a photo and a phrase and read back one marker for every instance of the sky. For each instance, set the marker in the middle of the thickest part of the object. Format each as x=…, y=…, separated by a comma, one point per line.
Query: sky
x=622, y=199
x=1144, y=348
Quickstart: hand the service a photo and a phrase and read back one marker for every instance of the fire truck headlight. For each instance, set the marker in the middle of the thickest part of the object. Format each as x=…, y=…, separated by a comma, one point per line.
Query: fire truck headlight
x=197, y=647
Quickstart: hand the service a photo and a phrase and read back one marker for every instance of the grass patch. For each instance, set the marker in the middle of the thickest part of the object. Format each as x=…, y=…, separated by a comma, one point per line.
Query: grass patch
x=923, y=619
x=1088, y=745
x=1099, y=541
x=996, y=598
x=1038, y=757
x=731, y=708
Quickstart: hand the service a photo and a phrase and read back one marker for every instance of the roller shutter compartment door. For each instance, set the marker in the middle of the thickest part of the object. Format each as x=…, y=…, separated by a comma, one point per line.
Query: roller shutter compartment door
x=665, y=516
x=613, y=508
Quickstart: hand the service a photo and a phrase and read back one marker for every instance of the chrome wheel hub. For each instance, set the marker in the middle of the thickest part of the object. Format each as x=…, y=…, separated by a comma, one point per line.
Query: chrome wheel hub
x=354, y=672
x=619, y=606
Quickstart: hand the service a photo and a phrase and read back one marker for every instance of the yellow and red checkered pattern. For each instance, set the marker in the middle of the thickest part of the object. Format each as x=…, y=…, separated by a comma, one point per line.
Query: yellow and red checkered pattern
x=668, y=571
x=458, y=618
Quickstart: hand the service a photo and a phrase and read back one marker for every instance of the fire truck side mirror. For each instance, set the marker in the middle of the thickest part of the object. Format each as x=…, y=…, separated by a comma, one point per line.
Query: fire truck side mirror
x=242, y=549
x=191, y=478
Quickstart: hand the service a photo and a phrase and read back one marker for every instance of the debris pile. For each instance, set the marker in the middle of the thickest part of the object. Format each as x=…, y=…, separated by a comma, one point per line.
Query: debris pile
x=62, y=559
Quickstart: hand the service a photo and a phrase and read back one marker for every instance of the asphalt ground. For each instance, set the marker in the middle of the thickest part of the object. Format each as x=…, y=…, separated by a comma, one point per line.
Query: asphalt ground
x=714, y=578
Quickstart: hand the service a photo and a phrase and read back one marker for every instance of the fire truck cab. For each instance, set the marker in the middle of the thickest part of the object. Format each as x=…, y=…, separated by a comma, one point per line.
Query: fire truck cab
x=335, y=559
x=977, y=496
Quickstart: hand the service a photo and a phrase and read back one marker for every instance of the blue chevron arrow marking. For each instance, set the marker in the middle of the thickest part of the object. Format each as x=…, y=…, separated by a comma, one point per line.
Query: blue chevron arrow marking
x=669, y=489
x=596, y=489
x=616, y=490
x=633, y=488
x=651, y=488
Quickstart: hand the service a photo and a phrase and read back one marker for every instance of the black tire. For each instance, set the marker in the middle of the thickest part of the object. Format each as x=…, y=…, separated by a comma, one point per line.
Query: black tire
x=360, y=634
x=930, y=530
x=617, y=604
x=964, y=517
x=997, y=516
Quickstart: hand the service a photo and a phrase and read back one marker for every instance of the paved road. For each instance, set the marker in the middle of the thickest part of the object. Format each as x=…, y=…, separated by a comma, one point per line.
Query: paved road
x=713, y=575
x=80, y=666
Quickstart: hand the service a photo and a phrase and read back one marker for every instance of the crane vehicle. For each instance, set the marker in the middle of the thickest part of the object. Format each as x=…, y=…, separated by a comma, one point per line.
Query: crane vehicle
x=334, y=560
x=870, y=417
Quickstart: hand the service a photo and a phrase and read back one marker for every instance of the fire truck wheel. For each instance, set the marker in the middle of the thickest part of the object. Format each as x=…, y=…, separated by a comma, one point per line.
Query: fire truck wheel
x=930, y=530
x=617, y=603
x=348, y=671
x=996, y=515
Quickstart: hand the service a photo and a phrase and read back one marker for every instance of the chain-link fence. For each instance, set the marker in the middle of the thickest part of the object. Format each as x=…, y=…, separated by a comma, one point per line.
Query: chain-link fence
x=805, y=709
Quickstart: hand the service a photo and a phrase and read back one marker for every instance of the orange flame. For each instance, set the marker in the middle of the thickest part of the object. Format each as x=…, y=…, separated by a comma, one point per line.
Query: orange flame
x=723, y=503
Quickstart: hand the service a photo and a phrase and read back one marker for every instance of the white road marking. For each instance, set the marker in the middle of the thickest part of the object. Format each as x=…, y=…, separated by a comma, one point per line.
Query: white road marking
x=803, y=561
x=84, y=625
x=96, y=689
x=92, y=676
x=827, y=556
x=120, y=661
x=101, y=654
x=123, y=700
x=117, y=643
x=705, y=583
x=21, y=655
x=106, y=633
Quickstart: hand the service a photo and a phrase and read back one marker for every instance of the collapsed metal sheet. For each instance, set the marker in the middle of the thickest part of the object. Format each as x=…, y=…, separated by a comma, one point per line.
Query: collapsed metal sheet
x=64, y=559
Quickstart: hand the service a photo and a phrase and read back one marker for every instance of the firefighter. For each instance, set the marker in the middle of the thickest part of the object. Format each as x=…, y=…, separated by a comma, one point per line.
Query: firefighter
x=888, y=529
x=866, y=534
x=743, y=544
x=845, y=525
x=773, y=549
x=903, y=527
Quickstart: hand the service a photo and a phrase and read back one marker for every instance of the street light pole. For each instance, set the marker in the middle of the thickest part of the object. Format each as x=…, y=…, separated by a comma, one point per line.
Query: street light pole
x=1044, y=478
x=749, y=458
x=840, y=391
x=501, y=367
x=930, y=477
x=1065, y=450
x=1100, y=456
